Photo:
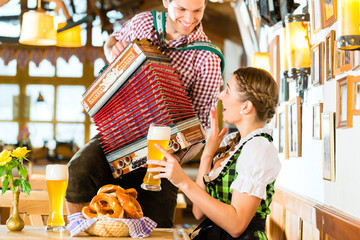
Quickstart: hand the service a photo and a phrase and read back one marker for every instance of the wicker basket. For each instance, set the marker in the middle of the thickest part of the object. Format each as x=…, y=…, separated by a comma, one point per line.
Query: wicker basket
x=108, y=228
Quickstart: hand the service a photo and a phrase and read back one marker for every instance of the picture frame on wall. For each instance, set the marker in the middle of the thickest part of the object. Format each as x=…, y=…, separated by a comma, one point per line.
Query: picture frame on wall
x=283, y=128
x=345, y=60
x=274, y=55
x=316, y=16
x=329, y=55
x=356, y=95
x=343, y=113
x=329, y=12
x=283, y=90
x=317, y=67
x=295, y=127
x=328, y=146
x=353, y=96
x=337, y=59
x=356, y=60
x=316, y=116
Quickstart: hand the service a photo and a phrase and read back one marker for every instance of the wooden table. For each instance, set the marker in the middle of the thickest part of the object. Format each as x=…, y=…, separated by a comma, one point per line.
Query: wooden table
x=32, y=232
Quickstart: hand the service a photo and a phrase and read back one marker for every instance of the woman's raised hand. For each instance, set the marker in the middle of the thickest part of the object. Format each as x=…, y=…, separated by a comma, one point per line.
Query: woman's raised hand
x=214, y=139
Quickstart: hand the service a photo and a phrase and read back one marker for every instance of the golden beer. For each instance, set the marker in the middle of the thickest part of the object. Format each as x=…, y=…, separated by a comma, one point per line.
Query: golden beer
x=56, y=182
x=161, y=136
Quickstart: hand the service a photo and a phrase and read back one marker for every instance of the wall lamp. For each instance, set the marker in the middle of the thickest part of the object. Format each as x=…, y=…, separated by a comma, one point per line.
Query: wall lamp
x=298, y=50
x=261, y=60
x=348, y=28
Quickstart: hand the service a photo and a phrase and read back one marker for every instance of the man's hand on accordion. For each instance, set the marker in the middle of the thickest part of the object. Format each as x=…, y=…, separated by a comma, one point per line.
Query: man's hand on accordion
x=117, y=48
x=112, y=48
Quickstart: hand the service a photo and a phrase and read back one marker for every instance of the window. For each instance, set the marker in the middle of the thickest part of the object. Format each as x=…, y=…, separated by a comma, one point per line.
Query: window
x=66, y=132
x=74, y=68
x=41, y=110
x=68, y=103
x=9, y=132
x=8, y=91
x=9, y=69
x=45, y=69
x=40, y=133
x=98, y=65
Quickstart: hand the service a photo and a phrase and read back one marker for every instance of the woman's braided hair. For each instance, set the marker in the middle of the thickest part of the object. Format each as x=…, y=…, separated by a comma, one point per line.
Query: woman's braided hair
x=259, y=87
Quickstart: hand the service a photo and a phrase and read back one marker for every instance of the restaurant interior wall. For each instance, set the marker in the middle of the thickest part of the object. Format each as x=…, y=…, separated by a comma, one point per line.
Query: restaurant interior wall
x=304, y=175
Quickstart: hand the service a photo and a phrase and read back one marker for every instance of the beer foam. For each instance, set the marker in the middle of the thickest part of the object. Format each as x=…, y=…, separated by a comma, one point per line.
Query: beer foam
x=56, y=172
x=159, y=133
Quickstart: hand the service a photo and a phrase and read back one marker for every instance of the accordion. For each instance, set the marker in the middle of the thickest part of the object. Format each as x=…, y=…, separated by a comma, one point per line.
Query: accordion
x=137, y=89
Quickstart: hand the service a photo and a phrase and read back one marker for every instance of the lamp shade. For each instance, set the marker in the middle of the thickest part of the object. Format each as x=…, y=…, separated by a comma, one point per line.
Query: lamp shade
x=70, y=37
x=348, y=28
x=298, y=44
x=261, y=60
x=37, y=29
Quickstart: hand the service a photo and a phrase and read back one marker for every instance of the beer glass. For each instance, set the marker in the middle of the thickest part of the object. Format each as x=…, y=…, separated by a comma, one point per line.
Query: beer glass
x=56, y=181
x=161, y=136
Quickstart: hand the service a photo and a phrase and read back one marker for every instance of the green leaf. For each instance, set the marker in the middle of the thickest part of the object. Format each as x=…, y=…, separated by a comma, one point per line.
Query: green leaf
x=25, y=186
x=16, y=182
x=5, y=185
x=2, y=170
x=23, y=172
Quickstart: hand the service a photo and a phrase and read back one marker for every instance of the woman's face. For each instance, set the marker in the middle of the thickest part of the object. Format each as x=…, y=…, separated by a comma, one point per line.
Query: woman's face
x=232, y=104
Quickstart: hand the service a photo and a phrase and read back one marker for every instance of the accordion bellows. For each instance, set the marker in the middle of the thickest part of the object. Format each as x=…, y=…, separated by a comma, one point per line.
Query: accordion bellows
x=130, y=95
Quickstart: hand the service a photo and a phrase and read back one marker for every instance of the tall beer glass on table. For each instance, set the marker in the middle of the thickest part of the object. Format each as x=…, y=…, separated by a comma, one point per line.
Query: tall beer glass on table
x=56, y=183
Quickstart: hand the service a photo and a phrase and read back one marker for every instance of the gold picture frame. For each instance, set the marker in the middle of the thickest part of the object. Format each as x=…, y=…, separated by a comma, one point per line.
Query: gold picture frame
x=274, y=54
x=295, y=127
x=354, y=95
x=316, y=16
x=317, y=67
x=356, y=60
x=329, y=55
x=316, y=123
x=283, y=128
x=345, y=60
x=343, y=117
x=328, y=146
x=337, y=58
x=329, y=12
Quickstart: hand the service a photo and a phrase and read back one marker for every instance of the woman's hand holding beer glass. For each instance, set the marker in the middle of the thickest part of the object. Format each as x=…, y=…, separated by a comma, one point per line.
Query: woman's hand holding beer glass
x=56, y=182
x=169, y=168
x=159, y=135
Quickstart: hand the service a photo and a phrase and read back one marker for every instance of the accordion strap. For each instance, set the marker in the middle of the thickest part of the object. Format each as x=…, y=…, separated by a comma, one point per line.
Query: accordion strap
x=159, y=22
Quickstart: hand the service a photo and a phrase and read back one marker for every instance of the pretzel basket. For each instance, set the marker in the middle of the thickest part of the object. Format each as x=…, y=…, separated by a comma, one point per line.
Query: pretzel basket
x=108, y=228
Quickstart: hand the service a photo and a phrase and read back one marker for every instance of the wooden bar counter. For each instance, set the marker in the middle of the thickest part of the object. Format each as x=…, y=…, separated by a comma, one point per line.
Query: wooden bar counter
x=32, y=232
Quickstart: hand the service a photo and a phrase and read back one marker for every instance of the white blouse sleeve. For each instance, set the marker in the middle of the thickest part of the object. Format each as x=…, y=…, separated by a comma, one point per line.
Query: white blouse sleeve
x=257, y=166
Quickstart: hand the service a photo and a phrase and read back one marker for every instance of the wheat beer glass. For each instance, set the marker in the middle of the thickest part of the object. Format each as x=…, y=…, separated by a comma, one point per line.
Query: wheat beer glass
x=56, y=181
x=161, y=136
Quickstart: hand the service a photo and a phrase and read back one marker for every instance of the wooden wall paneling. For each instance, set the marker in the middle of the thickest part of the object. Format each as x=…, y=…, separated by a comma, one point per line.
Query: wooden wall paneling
x=292, y=226
x=275, y=229
x=309, y=231
x=338, y=225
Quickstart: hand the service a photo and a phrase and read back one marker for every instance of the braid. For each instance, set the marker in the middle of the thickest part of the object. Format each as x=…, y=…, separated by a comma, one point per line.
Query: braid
x=260, y=88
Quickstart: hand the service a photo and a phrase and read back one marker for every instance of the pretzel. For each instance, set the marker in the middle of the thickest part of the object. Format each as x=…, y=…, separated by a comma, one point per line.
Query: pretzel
x=103, y=205
x=131, y=206
x=109, y=188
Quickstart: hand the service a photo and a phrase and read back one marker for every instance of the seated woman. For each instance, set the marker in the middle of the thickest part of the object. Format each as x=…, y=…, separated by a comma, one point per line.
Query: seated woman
x=236, y=177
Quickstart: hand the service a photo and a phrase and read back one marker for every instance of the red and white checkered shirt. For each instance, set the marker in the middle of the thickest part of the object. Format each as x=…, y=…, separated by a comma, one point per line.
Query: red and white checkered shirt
x=199, y=69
